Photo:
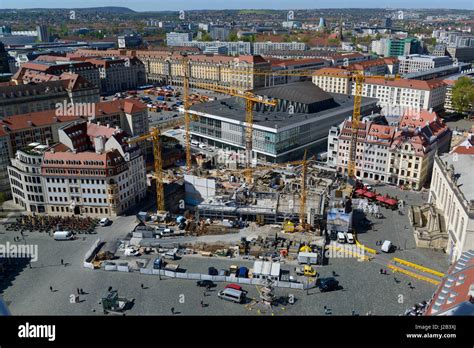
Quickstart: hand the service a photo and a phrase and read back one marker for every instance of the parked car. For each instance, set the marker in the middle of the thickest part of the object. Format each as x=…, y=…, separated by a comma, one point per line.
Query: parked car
x=328, y=284
x=206, y=284
x=212, y=271
x=104, y=222
x=131, y=252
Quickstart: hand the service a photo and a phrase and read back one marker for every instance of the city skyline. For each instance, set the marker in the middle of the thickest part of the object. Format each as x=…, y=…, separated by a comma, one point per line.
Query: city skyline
x=143, y=6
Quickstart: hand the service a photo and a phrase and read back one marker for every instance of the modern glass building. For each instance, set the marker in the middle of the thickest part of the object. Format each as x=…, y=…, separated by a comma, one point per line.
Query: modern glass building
x=301, y=120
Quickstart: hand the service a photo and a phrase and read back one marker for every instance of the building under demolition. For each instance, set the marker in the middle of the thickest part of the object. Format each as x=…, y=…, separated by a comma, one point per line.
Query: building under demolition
x=301, y=120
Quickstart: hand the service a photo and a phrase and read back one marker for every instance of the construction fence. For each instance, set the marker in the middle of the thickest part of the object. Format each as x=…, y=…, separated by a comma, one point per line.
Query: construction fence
x=248, y=281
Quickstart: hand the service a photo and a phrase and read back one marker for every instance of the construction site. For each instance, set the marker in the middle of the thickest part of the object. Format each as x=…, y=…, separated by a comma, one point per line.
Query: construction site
x=231, y=202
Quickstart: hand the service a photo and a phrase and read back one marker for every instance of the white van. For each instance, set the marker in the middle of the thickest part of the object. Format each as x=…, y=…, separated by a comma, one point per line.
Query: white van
x=232, y=295
x=63, y=235
x=203, y=146
x=341, y=238
x=166, y=232
x=194, y=143
x=350, y=238
x=386, y=246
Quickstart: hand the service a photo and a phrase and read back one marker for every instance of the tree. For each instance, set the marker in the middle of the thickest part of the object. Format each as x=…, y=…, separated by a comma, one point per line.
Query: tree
x=233, y=37
x=463, y=95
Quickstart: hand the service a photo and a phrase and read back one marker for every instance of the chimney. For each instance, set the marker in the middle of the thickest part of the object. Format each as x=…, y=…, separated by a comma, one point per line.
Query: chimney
x=108, y=125
x=55, y=119
x=30, y=123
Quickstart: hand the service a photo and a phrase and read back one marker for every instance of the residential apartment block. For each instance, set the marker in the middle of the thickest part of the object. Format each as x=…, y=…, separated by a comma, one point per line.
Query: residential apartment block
x=400, y=155
x=91, y=171
x=234, y=48
x=19, y=131
x=262, y=48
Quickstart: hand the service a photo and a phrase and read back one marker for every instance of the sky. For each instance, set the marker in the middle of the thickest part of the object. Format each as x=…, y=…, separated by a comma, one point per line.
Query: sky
x=163, y=5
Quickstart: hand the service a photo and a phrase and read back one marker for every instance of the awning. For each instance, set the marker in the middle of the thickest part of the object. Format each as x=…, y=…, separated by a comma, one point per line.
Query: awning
x=360, y=191
x=380, y=199
x=391, y=201
x=369, y=194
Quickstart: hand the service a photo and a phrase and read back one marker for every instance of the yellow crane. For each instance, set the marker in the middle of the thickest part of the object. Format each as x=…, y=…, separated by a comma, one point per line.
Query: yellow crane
x=154, y=136
x=187, y=121
x=250, y=101
x=303, y=193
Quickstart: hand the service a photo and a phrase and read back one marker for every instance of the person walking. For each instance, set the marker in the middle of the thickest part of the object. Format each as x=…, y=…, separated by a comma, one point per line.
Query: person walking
x=172, y=310
x=51, y=288
x=202, y=303
x=142, y=286
x=78, y=291
x=62, y=262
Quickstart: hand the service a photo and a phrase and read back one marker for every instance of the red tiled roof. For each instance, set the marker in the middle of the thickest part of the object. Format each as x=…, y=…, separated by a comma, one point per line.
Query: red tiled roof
x=333, y=72
x=453, y=291
x=35, y=119
x=404, y=83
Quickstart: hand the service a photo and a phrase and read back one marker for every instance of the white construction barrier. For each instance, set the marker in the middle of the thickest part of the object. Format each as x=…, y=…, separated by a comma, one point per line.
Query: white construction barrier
x=123, y=268
x=110, y=267
x=88, y=265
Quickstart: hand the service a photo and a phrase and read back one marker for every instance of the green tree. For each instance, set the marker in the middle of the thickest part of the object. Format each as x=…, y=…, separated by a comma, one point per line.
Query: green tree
x=463, y=95
x=233, y=37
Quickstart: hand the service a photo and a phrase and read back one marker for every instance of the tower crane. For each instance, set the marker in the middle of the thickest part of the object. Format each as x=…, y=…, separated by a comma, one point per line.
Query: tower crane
x=303, y=193
x=154, y=136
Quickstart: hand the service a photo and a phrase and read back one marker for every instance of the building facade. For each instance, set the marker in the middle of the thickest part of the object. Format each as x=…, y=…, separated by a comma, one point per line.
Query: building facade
x=416, y=62
x=19, y=131
x=33, y=96
x=262, y=48
x=333, y=80
x=25, y=178
x=162, y=67
x=91, y=172
x=406, y=94
x=401, y=155
x=301, y=120
x=451, y=192
x=177, y=39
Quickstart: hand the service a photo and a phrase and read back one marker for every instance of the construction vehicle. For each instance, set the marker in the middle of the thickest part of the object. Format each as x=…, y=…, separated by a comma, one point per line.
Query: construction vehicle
x=306, y=270
x=113, y=304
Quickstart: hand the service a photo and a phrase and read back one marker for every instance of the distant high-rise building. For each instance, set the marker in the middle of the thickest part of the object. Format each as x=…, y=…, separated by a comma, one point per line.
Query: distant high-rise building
x=4, y=65
x=5, y=30
x=129, y=41
x=220, y=33
x=177, y=39
x=322, y=22
x=43, y=33
x=387, y=22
